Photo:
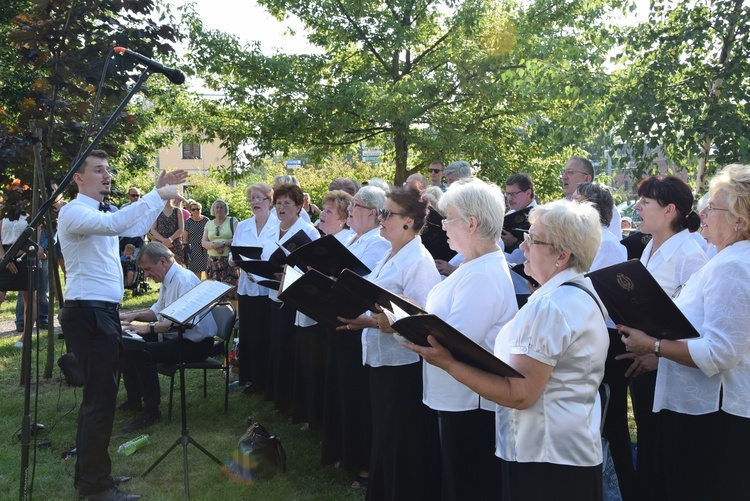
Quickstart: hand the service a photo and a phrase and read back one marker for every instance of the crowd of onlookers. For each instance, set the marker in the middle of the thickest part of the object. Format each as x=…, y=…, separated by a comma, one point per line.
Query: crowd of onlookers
x=411, y=422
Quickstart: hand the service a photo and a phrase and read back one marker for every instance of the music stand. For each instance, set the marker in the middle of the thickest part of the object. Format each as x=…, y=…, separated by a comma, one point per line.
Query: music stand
x=201, y=299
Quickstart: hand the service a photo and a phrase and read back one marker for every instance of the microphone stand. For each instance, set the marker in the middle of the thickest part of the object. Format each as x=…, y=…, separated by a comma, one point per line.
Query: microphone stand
x=23, y=242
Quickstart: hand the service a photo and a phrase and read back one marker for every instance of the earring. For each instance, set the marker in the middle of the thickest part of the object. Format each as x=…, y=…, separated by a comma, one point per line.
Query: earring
x=557, y=265
x=406, y=226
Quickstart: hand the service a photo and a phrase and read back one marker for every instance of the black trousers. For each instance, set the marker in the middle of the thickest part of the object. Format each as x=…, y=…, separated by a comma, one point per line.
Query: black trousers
x=93, y=334
x=547, y=481
x=642, y=395
x=255, y=317
x=139, y=366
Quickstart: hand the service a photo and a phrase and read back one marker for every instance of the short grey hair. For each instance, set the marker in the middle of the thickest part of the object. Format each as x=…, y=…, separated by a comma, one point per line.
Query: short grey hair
x=734, y=180
x=285, y=179
x=372, y=196
x=153, y=251
x=219, y=202
x=463, y=169
x=380, y=183
x=601, y=198
x=570, y=226
x=483, y=201
x=433, y=194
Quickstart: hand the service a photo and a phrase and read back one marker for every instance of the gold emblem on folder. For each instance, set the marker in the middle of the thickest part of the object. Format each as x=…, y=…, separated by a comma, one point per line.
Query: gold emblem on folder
x=625, y=282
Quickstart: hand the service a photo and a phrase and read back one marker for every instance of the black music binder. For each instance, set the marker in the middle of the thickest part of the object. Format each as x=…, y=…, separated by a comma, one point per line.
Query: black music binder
x=634, y=298
x=276, y=261
x=328, y=256
x=416, y=328
x=317, y=296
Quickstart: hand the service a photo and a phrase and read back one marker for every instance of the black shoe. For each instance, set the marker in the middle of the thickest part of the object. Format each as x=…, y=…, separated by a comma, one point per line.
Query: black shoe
x=130, y=406
x=121, y=480
x=19, y=328
x=143, y=420
x=111, y=494
x=43, y=326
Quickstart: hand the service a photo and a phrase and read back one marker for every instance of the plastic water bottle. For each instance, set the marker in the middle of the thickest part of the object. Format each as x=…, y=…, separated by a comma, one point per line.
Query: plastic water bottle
x=131, y=446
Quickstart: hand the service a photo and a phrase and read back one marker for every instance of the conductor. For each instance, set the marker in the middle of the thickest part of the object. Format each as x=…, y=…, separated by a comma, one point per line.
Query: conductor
x=89, y=317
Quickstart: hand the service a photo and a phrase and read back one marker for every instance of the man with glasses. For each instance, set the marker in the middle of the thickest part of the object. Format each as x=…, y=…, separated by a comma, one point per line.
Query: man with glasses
x=580, y=170
x=134, y=194
x=435, y=171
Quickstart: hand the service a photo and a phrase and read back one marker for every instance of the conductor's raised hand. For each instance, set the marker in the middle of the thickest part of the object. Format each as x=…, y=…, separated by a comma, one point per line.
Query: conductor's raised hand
x=174, y=177
x=170, y=192
x=434, y=354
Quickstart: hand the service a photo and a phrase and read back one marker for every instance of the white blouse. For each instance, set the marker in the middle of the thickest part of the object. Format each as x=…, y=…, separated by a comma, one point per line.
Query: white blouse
x=610, y=252
x=478, y=300
x=246, y=235
x=674, y=261
x=369, y=248
x=411, y=273
x=716, y=300
x=563, y=327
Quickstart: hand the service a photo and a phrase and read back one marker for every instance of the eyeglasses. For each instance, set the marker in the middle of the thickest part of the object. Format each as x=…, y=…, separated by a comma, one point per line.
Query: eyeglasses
x=446, y=222
x=710, y=208
x=385, y=214
x=257, y=199
x=435, y=171
x=570, y=172
x=195, y=209
x=354, y=205
x=530, y=241
x=133, y=195
x=513, y=193
x=218, y=230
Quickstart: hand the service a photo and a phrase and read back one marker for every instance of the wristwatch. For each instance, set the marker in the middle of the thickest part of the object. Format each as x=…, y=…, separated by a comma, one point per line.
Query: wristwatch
x=657, y=348
x=151, y=327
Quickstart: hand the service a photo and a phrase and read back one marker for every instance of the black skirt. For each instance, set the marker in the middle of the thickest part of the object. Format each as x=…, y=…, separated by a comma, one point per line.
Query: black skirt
x=15, y=281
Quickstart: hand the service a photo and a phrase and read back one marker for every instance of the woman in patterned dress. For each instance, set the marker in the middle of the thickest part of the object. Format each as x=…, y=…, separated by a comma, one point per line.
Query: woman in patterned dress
x=194, y=226
x=168, y=229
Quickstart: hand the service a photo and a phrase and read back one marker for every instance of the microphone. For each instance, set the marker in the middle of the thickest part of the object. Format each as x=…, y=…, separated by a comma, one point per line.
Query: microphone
x=174, y=75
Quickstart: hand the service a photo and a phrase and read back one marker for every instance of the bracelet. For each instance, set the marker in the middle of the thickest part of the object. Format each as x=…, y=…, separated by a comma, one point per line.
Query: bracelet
x=657, y=348
x=151, y=327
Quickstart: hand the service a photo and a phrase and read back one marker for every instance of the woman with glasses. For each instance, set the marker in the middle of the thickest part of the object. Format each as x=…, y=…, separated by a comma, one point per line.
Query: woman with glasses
x=702, y=385
x=405, y=450
x=665, y=207
x=548, y=434
x=477, y=299
x=253, y=306
x=288, y=200
x=347, y=416
x=217, y=238
x=168, y=229
x=194, y=227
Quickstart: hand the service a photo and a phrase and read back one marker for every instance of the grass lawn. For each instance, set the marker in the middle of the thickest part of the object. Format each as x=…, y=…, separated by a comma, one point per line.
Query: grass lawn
x=55, y=405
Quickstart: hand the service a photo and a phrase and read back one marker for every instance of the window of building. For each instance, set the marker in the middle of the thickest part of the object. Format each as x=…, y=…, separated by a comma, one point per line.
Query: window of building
x=191, y=150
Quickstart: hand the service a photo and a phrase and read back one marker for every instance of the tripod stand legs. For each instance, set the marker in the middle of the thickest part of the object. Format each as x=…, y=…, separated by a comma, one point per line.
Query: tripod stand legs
x=185, y=437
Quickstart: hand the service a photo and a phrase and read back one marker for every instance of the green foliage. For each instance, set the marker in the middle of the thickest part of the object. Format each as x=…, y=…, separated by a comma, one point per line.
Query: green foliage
x=497, y=83
x=684, y=86
x=61, y=49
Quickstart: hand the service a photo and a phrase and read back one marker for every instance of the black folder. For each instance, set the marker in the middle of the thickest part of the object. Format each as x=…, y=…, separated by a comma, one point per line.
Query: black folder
x=374, y=295
x=416, y=328
x=519, y=270
x=517, y=223
x=275, y=264
x=315, y=295
x=238, y=252
x=634, y=298
x=328, y=256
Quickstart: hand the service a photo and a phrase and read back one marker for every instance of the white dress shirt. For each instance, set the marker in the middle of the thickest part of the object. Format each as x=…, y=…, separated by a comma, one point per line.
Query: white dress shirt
x=610, y=252
x=563, y=327
x=411, y=273
x=88, y=238
x=246, y=235
x=178, y=281
x=370, y=248
x=716, y=300
x=478, y=300
x=674, y=261
x=344, y=235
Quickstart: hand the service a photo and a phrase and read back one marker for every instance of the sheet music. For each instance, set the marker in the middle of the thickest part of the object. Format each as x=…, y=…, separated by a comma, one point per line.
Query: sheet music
x=194, y=301
x=394, y=313
x=291, y=274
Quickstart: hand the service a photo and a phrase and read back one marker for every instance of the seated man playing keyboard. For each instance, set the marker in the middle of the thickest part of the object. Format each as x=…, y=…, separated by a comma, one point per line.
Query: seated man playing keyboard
x=139, y=366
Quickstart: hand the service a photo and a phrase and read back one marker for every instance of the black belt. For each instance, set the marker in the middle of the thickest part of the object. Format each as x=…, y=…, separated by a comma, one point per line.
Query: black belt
x=91, y=304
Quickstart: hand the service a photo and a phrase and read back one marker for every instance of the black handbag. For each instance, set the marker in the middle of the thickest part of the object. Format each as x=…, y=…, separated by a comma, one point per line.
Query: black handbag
x=258, y=453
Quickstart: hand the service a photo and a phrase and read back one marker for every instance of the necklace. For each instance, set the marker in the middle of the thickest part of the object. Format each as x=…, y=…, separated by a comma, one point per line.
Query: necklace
x=285, y=230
